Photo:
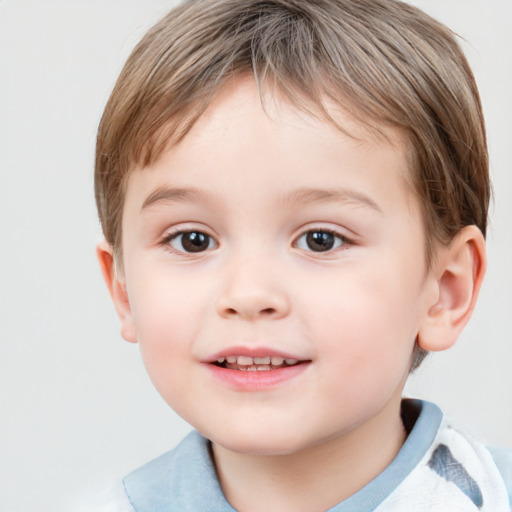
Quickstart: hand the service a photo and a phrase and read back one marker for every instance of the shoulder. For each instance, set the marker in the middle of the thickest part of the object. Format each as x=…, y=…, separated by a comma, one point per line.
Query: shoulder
x=451, y=471
x=111, y=498
x=503, y=460
x=164, y=483
x=484, y=475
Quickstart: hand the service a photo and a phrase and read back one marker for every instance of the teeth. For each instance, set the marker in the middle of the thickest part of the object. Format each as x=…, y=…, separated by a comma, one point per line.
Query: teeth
x=253, y=364
x=261, y=360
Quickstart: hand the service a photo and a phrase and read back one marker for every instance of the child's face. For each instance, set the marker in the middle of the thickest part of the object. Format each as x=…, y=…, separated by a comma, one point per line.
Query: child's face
x=275, y=237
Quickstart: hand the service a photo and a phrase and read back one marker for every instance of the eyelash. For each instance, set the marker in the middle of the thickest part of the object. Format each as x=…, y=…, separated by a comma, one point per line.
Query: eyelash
x=339, y=243
x=168, y=239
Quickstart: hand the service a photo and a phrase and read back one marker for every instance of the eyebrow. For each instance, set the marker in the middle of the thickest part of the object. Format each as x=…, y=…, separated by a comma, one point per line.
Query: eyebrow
x=320, y=195
x=166, y=194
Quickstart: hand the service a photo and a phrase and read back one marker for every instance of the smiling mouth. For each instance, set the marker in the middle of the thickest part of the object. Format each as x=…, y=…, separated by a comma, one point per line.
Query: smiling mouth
x=255, y=364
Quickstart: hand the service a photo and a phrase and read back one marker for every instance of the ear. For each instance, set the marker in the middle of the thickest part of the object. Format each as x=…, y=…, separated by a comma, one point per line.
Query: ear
x=459, y=271
x=117, y=289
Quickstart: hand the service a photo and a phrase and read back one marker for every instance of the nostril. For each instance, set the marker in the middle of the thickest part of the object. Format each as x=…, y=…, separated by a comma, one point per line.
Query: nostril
x=262, y=312
x=251, y=305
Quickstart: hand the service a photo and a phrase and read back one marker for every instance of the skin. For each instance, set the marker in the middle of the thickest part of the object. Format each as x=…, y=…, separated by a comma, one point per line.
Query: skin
x=255, y=183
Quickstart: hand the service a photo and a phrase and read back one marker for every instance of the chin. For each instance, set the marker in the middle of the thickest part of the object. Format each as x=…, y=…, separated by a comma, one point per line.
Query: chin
x=267, y=442
x=257, y=448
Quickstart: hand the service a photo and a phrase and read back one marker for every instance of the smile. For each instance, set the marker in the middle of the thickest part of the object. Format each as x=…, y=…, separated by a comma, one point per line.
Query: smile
x=255, y=364
x=256, y=373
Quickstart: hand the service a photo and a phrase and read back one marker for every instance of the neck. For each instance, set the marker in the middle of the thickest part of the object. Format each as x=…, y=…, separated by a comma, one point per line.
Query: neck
x=316, y=478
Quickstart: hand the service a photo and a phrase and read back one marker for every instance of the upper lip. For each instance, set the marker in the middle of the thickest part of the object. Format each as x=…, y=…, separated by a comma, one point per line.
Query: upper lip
x=256, y=351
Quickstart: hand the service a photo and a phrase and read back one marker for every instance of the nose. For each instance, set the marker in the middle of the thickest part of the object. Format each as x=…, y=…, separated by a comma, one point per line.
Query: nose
x=252, y=291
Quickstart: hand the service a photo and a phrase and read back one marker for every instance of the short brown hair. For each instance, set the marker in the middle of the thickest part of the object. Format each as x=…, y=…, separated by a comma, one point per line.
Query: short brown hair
x=383, y=60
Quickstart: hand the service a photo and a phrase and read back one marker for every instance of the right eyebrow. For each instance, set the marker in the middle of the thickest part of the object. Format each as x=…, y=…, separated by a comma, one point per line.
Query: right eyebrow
x=164, y=194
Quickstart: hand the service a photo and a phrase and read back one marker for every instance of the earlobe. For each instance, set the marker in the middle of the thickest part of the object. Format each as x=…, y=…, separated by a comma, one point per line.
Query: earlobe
x=117, y=289
x=459, y=272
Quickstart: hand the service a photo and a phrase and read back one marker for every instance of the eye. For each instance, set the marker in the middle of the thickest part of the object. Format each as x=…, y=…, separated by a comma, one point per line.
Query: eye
x=320, y=240
x=190, y=241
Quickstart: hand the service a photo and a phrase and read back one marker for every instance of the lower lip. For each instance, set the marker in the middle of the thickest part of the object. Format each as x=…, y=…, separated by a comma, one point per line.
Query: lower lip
x=256, y=380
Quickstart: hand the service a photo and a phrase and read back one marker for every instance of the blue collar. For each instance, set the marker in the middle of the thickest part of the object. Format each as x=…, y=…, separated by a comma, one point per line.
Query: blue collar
x=184, y=479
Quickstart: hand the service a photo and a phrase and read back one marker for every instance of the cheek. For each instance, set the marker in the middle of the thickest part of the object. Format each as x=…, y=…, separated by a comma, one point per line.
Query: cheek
x=164, y=302
x=367, y=323
x=167, y=317
x=366, y=354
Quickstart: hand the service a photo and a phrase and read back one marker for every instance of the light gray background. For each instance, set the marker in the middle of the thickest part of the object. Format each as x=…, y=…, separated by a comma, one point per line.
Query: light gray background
x=77, y=408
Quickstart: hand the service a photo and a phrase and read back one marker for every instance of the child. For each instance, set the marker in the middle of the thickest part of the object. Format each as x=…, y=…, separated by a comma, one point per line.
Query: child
x=294, y=200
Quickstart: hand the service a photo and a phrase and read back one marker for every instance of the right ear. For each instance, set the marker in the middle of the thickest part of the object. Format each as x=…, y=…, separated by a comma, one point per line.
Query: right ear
x=117, y=289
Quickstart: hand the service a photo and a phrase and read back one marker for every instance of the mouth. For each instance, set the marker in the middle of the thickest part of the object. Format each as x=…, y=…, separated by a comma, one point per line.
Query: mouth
x=256, y=364
x=255, y=369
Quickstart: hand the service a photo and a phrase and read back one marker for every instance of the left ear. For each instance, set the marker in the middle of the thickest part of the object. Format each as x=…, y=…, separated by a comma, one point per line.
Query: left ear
x=459, y=270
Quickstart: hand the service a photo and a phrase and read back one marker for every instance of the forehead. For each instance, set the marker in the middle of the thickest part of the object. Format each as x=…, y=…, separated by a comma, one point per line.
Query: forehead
x=277, y=108
x=243, y=129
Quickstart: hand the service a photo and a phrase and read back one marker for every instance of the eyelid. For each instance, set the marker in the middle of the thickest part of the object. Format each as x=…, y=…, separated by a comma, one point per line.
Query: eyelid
x=346, y=241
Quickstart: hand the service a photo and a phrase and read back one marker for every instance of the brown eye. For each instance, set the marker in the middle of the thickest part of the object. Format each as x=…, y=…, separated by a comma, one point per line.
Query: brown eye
x=192, y=242
x=320, y=241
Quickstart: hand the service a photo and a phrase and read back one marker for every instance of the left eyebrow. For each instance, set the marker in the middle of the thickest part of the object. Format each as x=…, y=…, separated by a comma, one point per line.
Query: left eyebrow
x=166, y=194
x=320, y=195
